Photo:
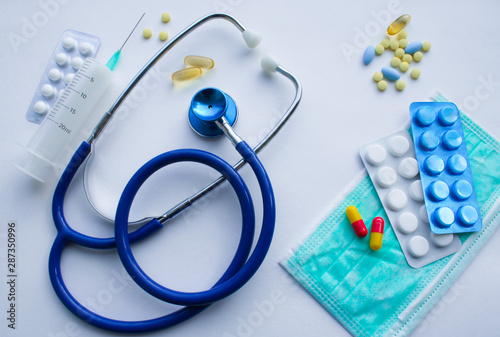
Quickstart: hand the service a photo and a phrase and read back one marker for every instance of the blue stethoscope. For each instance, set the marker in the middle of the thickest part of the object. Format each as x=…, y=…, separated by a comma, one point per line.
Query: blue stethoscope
x=211, y=113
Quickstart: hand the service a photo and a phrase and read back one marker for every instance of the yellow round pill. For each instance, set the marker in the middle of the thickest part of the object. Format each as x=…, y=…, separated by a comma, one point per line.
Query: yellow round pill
x=407, y=58
x=404, y=66
x=163, y=35
x=382, y=85
x=165, y=17
x=147, y=33
x=426, y=46
x=395, y=62
x=418, y=56
x=377, y=77
x=400, y=85
x=399, y=52
x=415, y=73
x=385, y=43
x=379, y=49
x=402, y=35
x=403, y=43
x=394, y=45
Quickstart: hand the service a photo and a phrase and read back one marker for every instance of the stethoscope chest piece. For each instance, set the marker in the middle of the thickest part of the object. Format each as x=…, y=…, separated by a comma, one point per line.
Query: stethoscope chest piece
x=209, y=105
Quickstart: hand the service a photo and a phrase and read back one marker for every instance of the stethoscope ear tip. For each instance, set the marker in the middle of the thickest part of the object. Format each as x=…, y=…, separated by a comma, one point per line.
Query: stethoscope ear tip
x=252, y=39
x=269, y=64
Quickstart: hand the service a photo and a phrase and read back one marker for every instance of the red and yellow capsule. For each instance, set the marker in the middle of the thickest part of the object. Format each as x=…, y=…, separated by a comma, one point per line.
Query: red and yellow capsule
x=377, y=233
x=357, y=223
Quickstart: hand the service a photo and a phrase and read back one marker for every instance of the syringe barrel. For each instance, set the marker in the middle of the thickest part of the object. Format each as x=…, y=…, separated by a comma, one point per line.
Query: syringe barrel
x=66, y=118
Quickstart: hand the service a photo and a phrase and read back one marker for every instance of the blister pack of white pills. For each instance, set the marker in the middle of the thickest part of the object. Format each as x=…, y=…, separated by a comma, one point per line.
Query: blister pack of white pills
x=68, y=56
x=393, y=169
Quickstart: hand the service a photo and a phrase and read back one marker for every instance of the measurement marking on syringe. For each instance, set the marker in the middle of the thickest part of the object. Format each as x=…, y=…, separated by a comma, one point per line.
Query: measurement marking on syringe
x=74, y=90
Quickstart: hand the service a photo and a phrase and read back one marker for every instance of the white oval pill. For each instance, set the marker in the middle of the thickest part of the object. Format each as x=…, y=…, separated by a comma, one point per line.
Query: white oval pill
x=375, y=154
x=76, y=62
x=86, y=48
x=407, y=223
x=68, y=78
x=408, y=168
x=418, y=246
x=386, y=177
x=441, y=240
x=55, y=75
x=48, y=91
x=62, y=59
x=398, y=146
x=416, y=192
x=396, y=200
x=69, y=43
x=423, y=214
x=40, y=108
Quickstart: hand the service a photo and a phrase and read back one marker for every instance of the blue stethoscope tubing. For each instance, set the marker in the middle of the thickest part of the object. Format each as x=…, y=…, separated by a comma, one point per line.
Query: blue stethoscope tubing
x=240, y=270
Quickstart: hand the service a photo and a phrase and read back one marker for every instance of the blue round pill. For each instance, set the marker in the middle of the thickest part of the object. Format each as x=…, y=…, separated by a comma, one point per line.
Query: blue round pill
x=447, y=116
x=444, y=217
x=390, y=73
x=425, y=116
x=461, y=190
x=456, y=164
x=429, y=140
x=433, y=165
x=413, y=47
x=467, y=215
x=438, y=190
x=369, y=54
x=452, y=140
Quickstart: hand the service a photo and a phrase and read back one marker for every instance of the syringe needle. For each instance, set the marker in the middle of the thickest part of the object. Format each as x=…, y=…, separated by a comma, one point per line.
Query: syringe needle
x=137, y=24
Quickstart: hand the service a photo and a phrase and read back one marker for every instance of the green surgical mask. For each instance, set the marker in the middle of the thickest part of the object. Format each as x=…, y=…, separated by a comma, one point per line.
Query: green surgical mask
x=376, y=293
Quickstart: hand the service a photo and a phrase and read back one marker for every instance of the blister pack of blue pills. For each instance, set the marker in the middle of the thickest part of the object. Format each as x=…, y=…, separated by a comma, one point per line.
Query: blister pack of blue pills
x=444, y=166
x=69, y=55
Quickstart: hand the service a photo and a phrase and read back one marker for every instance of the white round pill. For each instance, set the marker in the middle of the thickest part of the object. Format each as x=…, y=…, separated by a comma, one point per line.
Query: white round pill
x=86, y=48
x=375, y=154
x=416, y=192
x=407, y=223
x=55, y=75
x=40, y=108
x=418, y=246
x=423, y=214
x=408, y=168
x=68, y=78
x=48, y=91
x=386, y=177
x=396, y=200
x=441, y=240
x=398, y=146
x=76, y=62
x=62, y=59
x=69, y=43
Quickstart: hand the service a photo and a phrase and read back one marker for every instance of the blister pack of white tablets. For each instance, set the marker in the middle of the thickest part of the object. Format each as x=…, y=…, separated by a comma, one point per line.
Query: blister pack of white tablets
x=71, y=51
x=393, y=169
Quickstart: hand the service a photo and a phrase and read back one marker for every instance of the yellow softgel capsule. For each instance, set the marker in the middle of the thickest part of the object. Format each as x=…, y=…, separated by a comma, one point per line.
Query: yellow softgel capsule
x=402, y=35
x=418, y=56
x=400, y=85
x=382, y=85
x=147, y=33
x=379, y=49
x=404, y=66
x=407, y=58
x=415, y=73
x=378, y=76
x=399, y=24
x=165, y=17
x=395, y=62
x=163, y=35
x=186, y=74
x=199, y=61
x=385, y=43
x=394, y=45
x=426, y=46
x=403, y=43
x=399, y=52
